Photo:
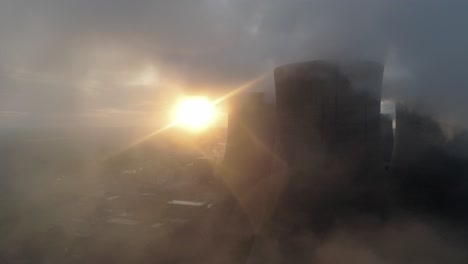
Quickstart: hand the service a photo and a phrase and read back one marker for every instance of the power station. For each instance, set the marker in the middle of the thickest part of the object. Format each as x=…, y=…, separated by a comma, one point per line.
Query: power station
x=328, y=111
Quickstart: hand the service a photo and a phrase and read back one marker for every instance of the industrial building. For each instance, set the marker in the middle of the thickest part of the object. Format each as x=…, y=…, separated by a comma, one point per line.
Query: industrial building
x=328, y=110
x=249, y=151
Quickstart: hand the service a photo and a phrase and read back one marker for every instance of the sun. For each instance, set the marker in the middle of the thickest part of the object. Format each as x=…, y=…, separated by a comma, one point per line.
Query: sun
x=194, y=113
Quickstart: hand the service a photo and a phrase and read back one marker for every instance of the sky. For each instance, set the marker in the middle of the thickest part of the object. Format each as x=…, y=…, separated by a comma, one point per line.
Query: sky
x=118, y=62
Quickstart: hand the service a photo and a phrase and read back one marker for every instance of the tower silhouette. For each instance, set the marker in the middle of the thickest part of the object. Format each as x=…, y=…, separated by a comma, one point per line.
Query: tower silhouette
x=249, y=151
x=328, y=112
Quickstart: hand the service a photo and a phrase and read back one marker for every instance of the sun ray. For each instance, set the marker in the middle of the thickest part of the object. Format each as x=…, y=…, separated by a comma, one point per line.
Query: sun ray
x=172, y=124
x=139, y=141
x=194, y=113
x=240, y=88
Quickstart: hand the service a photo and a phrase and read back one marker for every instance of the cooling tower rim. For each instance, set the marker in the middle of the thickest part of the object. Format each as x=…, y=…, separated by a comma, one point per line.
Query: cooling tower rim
x=367, y=64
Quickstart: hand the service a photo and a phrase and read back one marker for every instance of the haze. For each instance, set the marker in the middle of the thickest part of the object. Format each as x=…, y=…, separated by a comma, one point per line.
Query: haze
x=86, y=93
x=107, y=63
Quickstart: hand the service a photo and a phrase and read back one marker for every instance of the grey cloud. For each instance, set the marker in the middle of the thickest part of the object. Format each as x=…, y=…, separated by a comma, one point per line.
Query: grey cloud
x=218, y=43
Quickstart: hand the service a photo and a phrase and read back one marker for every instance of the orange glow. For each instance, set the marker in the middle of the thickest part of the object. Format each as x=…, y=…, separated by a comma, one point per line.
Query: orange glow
x=194, y=113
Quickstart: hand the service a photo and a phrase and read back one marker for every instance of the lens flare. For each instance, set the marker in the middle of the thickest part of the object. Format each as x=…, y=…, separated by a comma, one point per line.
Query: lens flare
x=194, y=113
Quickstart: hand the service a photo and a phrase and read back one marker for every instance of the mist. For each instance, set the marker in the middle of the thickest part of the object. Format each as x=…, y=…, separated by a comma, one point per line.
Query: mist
x=83, y=58
x=82, y=81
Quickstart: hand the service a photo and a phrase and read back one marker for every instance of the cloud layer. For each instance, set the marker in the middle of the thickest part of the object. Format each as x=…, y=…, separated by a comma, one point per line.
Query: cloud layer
x=87, y=56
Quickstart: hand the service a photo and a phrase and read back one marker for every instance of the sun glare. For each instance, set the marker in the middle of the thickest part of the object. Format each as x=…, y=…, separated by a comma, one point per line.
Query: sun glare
x=194, y=113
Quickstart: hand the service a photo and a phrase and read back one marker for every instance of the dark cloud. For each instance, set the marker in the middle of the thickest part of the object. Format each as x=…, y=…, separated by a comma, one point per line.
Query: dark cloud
x=82, y=55
x=431, y=40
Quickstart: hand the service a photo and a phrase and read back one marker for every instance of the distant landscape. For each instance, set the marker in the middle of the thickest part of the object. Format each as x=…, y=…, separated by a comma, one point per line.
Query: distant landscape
x=55, y=185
